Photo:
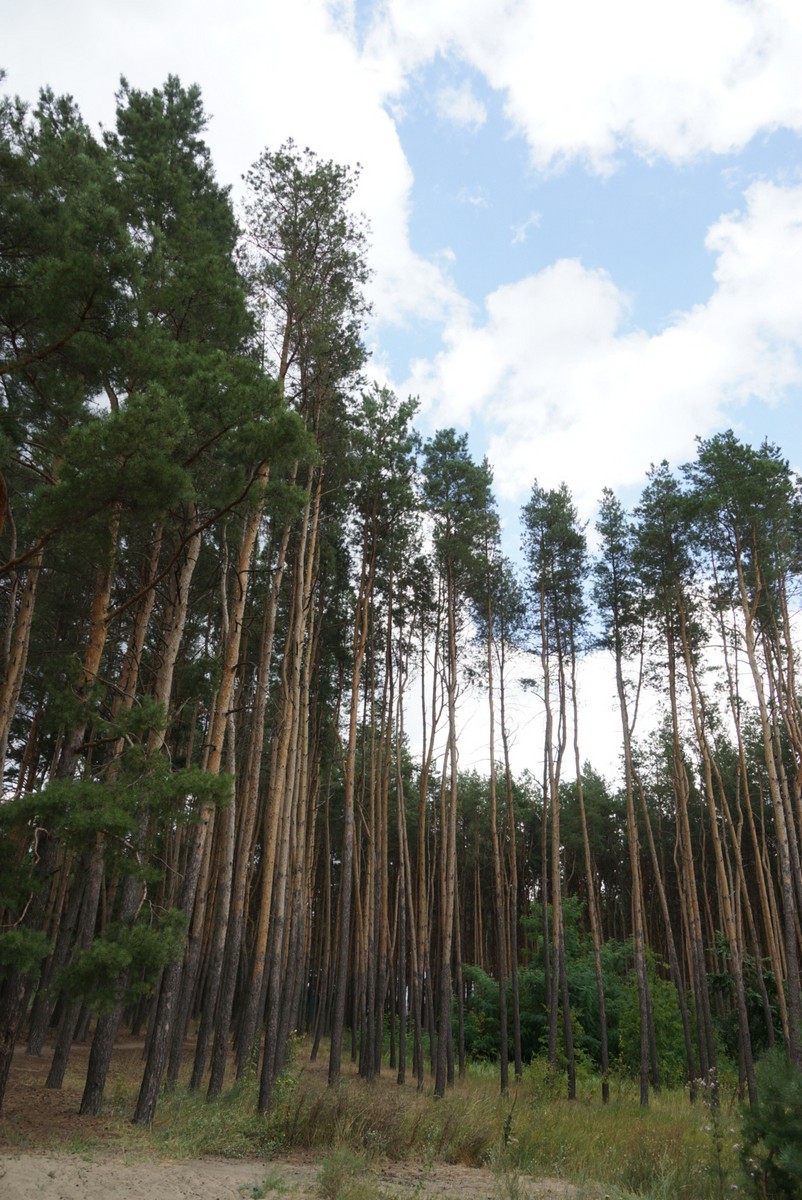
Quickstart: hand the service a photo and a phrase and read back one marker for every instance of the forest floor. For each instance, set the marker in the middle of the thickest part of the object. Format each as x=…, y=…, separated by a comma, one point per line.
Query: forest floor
x=49, y=1152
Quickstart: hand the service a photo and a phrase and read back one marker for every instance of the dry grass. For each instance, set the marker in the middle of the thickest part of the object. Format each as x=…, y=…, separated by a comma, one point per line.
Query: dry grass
x=381, y=1119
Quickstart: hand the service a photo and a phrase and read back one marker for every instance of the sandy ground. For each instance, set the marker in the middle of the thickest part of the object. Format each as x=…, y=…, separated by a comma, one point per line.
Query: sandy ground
x=71, y=1177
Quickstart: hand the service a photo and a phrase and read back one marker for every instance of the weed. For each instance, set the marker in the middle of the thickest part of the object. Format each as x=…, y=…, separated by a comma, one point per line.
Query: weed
x=272, y=1185
x=340, y=1177
x=509, y=1186
x=82, y=1147
x=709, y=1092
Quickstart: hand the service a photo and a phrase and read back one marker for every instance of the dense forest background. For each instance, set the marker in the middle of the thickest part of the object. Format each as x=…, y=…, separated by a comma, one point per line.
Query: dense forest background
x=231, y=569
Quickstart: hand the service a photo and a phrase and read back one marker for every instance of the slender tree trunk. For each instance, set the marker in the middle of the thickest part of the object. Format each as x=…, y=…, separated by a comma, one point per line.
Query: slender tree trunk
x=593, y=908
x=285, y=791
x=361, y=626
x=224, y=871
x=673, y=959
x=448, y=850
x=498, y=902
x=512, y=836
x=638, y=933
x=108, y=1025
x=288, y=700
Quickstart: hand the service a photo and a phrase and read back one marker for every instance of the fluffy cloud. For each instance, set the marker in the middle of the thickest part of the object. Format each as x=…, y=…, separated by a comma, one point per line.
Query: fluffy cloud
x=582, y=78
x=566, y=393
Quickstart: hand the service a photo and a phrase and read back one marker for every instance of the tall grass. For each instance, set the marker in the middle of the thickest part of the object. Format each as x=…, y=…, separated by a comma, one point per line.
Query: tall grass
x=675, y=1150
x=669, y=1150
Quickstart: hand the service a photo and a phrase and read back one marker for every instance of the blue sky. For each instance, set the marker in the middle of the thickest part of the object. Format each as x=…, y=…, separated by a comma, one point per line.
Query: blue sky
x=586, y=218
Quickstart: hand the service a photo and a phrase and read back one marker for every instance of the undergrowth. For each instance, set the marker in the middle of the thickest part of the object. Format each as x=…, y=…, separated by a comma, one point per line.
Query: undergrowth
x=674, y=1150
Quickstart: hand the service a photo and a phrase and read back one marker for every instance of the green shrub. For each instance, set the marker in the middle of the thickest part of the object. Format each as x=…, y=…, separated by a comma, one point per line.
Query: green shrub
x=772, y=1131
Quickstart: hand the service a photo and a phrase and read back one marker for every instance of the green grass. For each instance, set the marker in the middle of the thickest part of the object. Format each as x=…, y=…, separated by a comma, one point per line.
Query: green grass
x=671, y=1151
x=342, y=1175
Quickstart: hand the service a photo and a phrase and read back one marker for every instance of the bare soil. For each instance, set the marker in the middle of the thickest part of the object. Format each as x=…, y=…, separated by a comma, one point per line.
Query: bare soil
x=49, y=1152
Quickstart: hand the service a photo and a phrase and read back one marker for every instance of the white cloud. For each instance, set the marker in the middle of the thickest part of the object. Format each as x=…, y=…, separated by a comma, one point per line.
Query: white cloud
x=475, y=197
x=520, y=232
x=567, y=394
x=461, y=106
x=582, y=78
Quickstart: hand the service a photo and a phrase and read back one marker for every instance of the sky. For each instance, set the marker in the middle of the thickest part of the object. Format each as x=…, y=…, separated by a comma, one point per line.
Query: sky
x=586, y=218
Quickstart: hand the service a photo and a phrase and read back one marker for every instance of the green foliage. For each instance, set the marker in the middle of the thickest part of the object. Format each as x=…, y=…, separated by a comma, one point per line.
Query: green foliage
x=187, y=280
x=481, y=1015
x=771, y=1154
x=17, y=880
x=726, y=1021
x=616, y=586
x=77, y=809
x=667, y=1027
x=556, y=555
x=141, y=950
x=623, y=1023
x=457, y=493
x=304, y=257
x=65, y=254
x=22, y=949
